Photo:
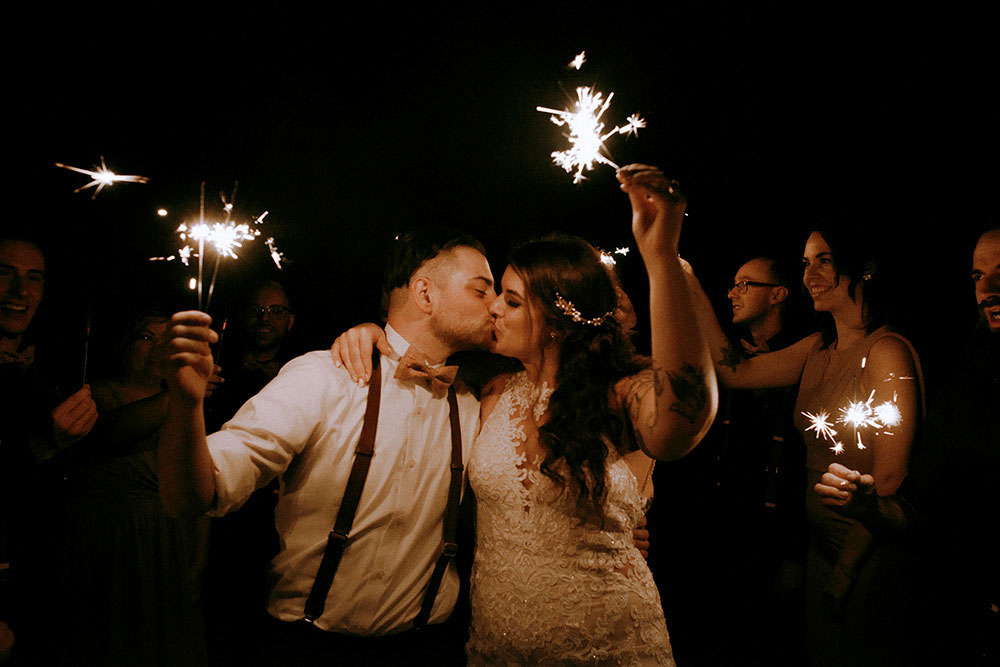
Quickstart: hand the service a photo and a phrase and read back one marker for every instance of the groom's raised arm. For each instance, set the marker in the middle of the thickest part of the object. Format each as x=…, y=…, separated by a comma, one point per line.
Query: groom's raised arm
x=186, y=473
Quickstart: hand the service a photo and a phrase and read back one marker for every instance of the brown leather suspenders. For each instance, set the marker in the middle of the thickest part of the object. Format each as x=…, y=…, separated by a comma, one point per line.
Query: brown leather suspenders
x=339, y=536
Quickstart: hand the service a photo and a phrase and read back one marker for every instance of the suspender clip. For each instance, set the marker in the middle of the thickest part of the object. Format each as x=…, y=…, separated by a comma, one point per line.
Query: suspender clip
x=450, y=549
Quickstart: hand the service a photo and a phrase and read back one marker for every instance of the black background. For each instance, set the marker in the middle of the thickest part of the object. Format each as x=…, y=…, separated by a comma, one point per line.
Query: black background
x=348, y=125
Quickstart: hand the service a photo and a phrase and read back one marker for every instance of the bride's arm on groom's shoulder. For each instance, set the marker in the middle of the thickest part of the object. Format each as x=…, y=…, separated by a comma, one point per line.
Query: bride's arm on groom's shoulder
x=672, y=404
x=353, y=350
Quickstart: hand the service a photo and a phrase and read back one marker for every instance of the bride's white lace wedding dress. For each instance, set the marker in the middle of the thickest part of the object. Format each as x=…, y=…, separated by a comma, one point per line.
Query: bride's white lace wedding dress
x=546, y=589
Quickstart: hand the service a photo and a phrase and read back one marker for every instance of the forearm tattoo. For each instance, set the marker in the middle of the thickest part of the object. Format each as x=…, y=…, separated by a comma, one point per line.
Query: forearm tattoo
x=731, y=358
x=689, y=388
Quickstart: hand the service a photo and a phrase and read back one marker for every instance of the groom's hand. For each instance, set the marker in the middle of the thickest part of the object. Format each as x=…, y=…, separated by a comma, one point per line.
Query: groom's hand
x=191, y=364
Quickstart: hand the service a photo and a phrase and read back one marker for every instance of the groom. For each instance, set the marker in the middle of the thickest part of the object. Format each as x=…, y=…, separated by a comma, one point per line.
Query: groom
x=305, y=425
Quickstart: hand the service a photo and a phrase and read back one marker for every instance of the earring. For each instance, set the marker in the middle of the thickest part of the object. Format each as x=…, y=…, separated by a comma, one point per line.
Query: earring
x=553, y=335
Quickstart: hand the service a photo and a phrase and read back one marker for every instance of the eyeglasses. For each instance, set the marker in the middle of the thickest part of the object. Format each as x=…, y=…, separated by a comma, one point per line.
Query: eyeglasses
x=273, y=311
x=744, y=286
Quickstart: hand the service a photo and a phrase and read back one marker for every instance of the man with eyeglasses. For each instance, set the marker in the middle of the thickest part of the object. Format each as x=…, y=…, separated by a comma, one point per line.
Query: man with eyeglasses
x=758, y=299
x=743, y=493
x=243, y=542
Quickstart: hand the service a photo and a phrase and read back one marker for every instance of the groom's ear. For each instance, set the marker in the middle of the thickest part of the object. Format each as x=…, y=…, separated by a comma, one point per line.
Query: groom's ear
x=423, y=293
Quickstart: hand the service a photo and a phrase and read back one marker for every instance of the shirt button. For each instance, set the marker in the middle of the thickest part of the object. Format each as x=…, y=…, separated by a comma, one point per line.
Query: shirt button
x=418, y=411
x=412, y=464
x=380, y=574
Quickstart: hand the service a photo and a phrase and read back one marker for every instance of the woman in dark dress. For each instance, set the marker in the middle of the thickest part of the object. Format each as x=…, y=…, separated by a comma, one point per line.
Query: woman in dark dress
x=134, y=572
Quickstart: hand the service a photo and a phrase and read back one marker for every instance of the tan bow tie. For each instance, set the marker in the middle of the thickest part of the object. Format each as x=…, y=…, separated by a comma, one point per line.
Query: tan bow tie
x=9, y=354
x=414, y=368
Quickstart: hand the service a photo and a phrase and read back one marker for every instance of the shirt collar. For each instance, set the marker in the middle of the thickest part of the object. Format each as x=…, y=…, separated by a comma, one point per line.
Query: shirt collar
x=400, y=345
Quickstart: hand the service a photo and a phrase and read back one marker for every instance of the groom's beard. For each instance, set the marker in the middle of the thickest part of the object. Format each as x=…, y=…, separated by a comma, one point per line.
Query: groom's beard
x=463, y=335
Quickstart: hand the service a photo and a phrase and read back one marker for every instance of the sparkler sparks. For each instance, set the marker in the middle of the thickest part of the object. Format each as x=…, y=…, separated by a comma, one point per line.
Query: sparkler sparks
x=586, y=132
x=223, y=238
x=888, y=414
x=577, y=62
x=276, y=255
x=859, y=415
x=102, y=177
x=824, y=429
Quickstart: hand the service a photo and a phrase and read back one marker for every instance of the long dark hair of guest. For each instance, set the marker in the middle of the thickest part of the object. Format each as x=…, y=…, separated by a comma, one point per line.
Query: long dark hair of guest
x=853, y=259
x=592, y=360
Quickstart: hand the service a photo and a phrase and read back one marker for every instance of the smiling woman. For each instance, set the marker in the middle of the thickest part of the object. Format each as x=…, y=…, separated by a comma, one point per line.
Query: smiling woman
x=856, y=589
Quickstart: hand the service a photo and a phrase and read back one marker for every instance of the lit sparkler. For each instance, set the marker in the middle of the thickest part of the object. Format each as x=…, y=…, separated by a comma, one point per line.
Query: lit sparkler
x=859, y=414
x=276, y=255
x=102, y=177
x=586, y=132
x=224, y=238
x=824, y=429
x=888, y=413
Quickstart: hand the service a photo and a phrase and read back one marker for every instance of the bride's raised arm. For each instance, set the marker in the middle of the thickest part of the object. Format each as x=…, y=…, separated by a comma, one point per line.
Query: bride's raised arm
x=673, y=404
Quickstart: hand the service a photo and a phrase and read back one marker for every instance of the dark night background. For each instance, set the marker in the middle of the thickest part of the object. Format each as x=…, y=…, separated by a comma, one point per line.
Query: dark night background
x=348, y=126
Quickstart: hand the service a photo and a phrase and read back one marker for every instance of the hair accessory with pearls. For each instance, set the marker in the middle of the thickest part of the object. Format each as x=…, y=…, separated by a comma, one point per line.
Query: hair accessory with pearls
x=571, y=312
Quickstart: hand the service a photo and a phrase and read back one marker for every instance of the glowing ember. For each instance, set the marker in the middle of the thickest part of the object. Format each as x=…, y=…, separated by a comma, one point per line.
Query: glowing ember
x=586, y=132
x=859, y=414
x=102, y=177
x=819, y=423
x=228, y=236
x=888, y=413
x=633, y=125
x=276, y=255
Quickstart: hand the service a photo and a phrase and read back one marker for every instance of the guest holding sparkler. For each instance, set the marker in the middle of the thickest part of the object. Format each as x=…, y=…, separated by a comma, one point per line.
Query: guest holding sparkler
x=35, y=426
x=859, y=403
x=134, y=573
x=956, y=522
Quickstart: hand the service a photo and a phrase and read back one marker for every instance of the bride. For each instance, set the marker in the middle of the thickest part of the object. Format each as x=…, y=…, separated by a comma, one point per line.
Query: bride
x=556, y=577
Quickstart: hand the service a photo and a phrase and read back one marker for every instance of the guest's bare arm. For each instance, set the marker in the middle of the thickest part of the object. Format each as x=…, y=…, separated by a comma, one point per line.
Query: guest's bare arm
x=891, y=371
x=673, y=404
x=771, y=369
x=186, y=473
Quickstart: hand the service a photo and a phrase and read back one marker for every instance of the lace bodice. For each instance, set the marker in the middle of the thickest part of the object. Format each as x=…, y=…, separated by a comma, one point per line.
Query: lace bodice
x=547, y=589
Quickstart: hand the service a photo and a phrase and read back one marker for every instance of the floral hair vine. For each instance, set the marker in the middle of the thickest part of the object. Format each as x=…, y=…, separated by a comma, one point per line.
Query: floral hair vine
x=571, y=312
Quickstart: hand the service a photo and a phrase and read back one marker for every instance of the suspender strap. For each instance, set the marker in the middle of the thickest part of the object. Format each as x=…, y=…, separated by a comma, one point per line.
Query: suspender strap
x=337, y=541
x=449, y=547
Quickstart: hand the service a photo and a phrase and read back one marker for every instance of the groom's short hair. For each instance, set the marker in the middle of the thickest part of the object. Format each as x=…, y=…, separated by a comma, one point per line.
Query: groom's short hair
x=412, y=249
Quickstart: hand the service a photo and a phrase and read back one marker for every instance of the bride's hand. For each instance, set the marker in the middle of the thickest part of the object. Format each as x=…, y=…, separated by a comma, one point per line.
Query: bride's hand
x=657, y=209
x=353, y=350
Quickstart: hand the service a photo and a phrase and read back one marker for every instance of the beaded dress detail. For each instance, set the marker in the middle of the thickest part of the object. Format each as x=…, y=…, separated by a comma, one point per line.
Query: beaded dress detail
x=546, y=588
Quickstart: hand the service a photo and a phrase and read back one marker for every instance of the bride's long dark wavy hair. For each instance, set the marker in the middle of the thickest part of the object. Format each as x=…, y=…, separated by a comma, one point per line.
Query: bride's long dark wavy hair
x=592, y=360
